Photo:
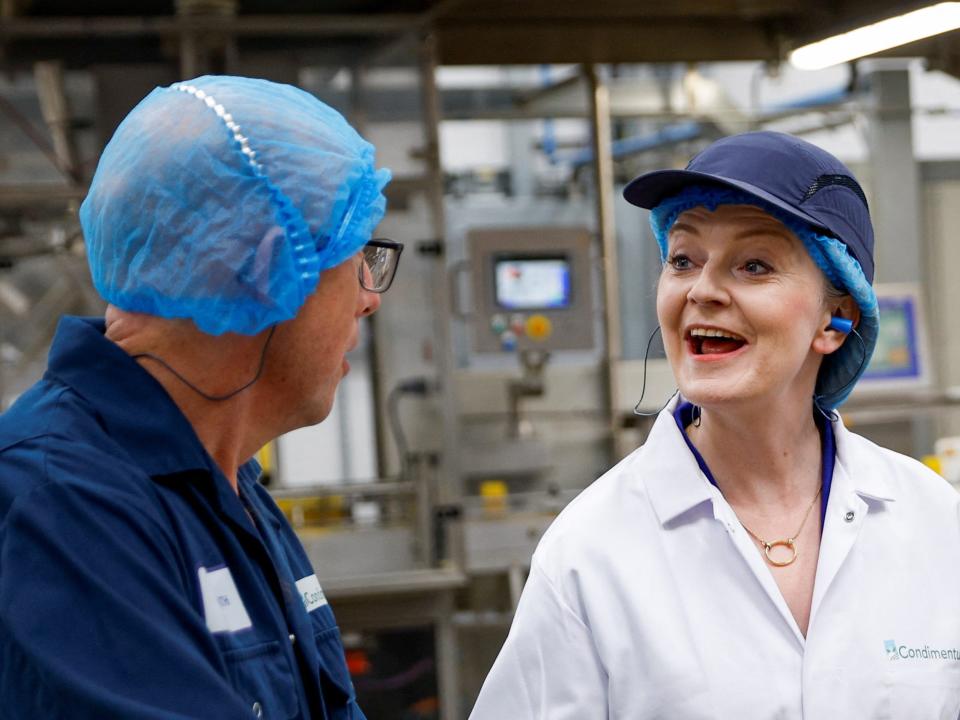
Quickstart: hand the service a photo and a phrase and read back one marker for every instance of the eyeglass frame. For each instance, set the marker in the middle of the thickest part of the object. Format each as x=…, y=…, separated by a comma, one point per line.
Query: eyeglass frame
x=381, y=243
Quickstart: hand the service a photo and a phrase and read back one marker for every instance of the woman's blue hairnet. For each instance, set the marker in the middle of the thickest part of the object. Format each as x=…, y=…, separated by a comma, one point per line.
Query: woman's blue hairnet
x=222, y=199
x=840, y=370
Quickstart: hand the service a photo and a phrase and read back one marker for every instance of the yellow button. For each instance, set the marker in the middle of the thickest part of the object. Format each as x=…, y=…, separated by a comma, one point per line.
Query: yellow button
x=539, y=327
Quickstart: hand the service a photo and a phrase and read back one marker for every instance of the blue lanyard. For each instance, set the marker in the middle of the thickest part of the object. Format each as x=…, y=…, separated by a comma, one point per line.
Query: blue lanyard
x=684, y=416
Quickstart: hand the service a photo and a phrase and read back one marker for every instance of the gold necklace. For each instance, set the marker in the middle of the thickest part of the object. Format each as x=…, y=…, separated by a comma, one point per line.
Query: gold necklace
x=790, y=543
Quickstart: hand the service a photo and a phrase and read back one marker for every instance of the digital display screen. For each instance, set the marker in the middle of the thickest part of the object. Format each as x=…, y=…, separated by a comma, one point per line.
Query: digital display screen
x=896, y=352
x=532, y=283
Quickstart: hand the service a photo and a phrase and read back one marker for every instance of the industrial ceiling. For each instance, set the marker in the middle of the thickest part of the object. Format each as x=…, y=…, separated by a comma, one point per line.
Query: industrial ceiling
x=126, y=48
x=466, y=31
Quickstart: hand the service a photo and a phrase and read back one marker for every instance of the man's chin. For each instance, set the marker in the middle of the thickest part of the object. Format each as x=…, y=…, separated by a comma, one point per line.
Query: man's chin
x=308, y=417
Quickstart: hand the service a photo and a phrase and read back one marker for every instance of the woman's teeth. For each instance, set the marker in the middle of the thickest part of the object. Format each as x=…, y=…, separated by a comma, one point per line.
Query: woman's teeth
x=714, y=342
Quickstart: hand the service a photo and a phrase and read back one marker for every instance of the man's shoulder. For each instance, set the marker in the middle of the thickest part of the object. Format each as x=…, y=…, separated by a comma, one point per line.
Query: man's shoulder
x=51, y=436
x=33, y=415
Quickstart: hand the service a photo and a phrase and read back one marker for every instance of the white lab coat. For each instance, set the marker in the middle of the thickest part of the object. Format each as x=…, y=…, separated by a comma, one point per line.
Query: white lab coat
x=647, y=599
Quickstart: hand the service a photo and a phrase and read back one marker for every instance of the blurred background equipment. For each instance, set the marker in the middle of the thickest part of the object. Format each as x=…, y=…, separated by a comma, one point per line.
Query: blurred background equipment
x=500, y=375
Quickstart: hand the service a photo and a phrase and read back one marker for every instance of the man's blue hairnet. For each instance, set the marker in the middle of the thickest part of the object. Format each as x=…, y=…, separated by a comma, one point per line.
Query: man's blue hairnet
x=221, y=199
x=841, y=369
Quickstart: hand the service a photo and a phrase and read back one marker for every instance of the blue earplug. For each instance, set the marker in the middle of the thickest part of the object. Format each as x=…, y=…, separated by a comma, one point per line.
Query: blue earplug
x=840, y=324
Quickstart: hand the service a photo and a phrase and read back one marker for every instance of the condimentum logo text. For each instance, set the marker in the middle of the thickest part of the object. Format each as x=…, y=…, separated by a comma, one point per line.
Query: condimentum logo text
x=906, y=652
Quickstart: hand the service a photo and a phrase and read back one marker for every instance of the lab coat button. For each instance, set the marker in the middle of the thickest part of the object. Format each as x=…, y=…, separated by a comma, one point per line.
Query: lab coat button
x=849, y=516
x=293, y=638
x=257, y=710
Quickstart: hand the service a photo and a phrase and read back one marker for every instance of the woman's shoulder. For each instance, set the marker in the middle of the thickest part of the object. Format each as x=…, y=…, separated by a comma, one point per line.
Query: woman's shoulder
x=905, y=478
x=612, y=507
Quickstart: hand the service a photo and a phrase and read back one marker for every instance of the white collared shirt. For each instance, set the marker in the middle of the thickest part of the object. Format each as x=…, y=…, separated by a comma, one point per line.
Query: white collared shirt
x=647, y=599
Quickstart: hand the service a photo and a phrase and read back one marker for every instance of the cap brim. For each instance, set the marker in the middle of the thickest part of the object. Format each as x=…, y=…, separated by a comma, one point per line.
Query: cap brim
x=649, y=190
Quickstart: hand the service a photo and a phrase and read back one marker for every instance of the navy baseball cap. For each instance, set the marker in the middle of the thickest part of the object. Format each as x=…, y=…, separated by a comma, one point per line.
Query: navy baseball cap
x=799, y=178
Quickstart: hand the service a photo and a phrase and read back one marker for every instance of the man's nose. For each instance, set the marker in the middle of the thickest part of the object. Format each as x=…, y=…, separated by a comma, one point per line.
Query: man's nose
x=369, y=302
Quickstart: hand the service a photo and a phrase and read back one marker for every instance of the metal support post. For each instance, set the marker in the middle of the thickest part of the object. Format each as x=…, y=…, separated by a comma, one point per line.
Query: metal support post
x=56, y=113
x=894, y=179
x=895, y=198
x=450, y=481
x=446, y=646
x=606, y=232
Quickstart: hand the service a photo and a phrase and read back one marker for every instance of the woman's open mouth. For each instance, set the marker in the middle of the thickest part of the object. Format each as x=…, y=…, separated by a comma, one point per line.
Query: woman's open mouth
x=712, y=341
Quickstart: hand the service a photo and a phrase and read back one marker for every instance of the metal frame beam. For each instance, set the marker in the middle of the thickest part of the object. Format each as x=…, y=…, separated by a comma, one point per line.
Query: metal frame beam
x=243, y=25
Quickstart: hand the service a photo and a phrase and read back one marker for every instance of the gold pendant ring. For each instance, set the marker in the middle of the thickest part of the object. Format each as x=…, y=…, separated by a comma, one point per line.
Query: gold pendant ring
x=788, y=543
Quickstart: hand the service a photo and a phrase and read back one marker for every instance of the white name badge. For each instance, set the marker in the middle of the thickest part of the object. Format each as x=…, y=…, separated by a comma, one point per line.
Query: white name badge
x=311, y=593
x=222, y=606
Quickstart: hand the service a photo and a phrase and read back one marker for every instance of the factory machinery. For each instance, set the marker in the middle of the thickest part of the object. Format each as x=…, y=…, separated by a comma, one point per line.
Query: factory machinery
x=451, y=555
x=424, y=565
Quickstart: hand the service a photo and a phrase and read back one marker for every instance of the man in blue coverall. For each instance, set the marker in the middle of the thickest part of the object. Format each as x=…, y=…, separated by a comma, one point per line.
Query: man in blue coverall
x=144, y=572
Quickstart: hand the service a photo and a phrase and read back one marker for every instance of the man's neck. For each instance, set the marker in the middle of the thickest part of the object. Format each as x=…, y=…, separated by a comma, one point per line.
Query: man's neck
x=223, y=428
x=231, y=430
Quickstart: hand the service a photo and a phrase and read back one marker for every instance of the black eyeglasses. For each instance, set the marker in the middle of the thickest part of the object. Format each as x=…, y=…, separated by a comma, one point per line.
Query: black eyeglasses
x=380, y=260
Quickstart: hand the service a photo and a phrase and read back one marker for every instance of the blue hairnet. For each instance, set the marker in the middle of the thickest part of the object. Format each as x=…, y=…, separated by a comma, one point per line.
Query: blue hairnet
x=221, y=199
x=841, y=369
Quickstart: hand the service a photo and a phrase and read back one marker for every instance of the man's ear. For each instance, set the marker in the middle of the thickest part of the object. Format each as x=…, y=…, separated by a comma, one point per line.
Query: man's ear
x=829, y=339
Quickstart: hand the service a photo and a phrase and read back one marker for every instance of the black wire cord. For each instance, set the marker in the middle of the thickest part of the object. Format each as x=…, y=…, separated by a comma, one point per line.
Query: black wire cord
x=643, y=389
x=201, y=393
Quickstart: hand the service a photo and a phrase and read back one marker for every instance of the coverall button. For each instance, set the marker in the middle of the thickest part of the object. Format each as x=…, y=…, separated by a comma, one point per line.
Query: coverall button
x=293, y=638
x=257, y=710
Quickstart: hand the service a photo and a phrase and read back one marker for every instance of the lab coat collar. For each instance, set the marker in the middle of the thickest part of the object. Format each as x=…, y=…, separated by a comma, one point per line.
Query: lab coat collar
x=676, y=484
x=858, y=456
x=673, y=480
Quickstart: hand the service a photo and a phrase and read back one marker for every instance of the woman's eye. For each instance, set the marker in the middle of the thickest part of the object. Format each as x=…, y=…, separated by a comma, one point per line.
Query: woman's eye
x=756, y=267
x=679, y=262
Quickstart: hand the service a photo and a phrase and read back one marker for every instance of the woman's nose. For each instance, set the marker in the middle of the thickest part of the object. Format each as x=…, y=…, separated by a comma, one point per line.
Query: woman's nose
x=708, y=287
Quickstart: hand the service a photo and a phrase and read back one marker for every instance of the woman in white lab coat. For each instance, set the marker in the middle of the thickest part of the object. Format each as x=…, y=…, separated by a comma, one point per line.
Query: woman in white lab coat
x=754, y=558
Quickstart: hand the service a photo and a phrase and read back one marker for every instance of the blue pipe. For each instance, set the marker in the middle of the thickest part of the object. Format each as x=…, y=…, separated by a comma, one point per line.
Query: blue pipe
x=690, y=130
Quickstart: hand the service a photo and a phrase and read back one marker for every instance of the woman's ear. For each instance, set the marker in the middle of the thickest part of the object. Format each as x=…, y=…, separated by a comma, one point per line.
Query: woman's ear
x=833, y=334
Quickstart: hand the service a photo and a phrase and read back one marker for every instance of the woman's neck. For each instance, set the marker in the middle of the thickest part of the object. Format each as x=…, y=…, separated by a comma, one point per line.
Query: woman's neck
x=761, y=459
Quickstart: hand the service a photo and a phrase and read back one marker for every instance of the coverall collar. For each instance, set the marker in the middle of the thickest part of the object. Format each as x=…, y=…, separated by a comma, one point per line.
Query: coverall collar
x=134, y=408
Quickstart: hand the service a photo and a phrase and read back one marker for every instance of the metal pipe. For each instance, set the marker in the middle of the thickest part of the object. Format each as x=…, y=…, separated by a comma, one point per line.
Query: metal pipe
x=379, y=489
x=26, y=127
x=15, y=196
x=599, y=96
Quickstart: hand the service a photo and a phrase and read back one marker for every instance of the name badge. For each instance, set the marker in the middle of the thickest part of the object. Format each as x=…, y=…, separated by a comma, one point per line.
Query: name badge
x=311, y=593
x=222, y=606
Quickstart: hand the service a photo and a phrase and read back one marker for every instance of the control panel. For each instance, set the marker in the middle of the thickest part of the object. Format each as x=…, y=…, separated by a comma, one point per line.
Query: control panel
x=532, y=287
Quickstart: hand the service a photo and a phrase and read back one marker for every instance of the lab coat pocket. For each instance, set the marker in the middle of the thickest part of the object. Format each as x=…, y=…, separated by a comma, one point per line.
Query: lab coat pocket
x=928, y=692
x=262, y=675
x=334, y=676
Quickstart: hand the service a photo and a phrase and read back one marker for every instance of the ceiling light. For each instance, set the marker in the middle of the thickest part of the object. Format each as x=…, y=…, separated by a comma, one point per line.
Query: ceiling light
x=883, y=35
